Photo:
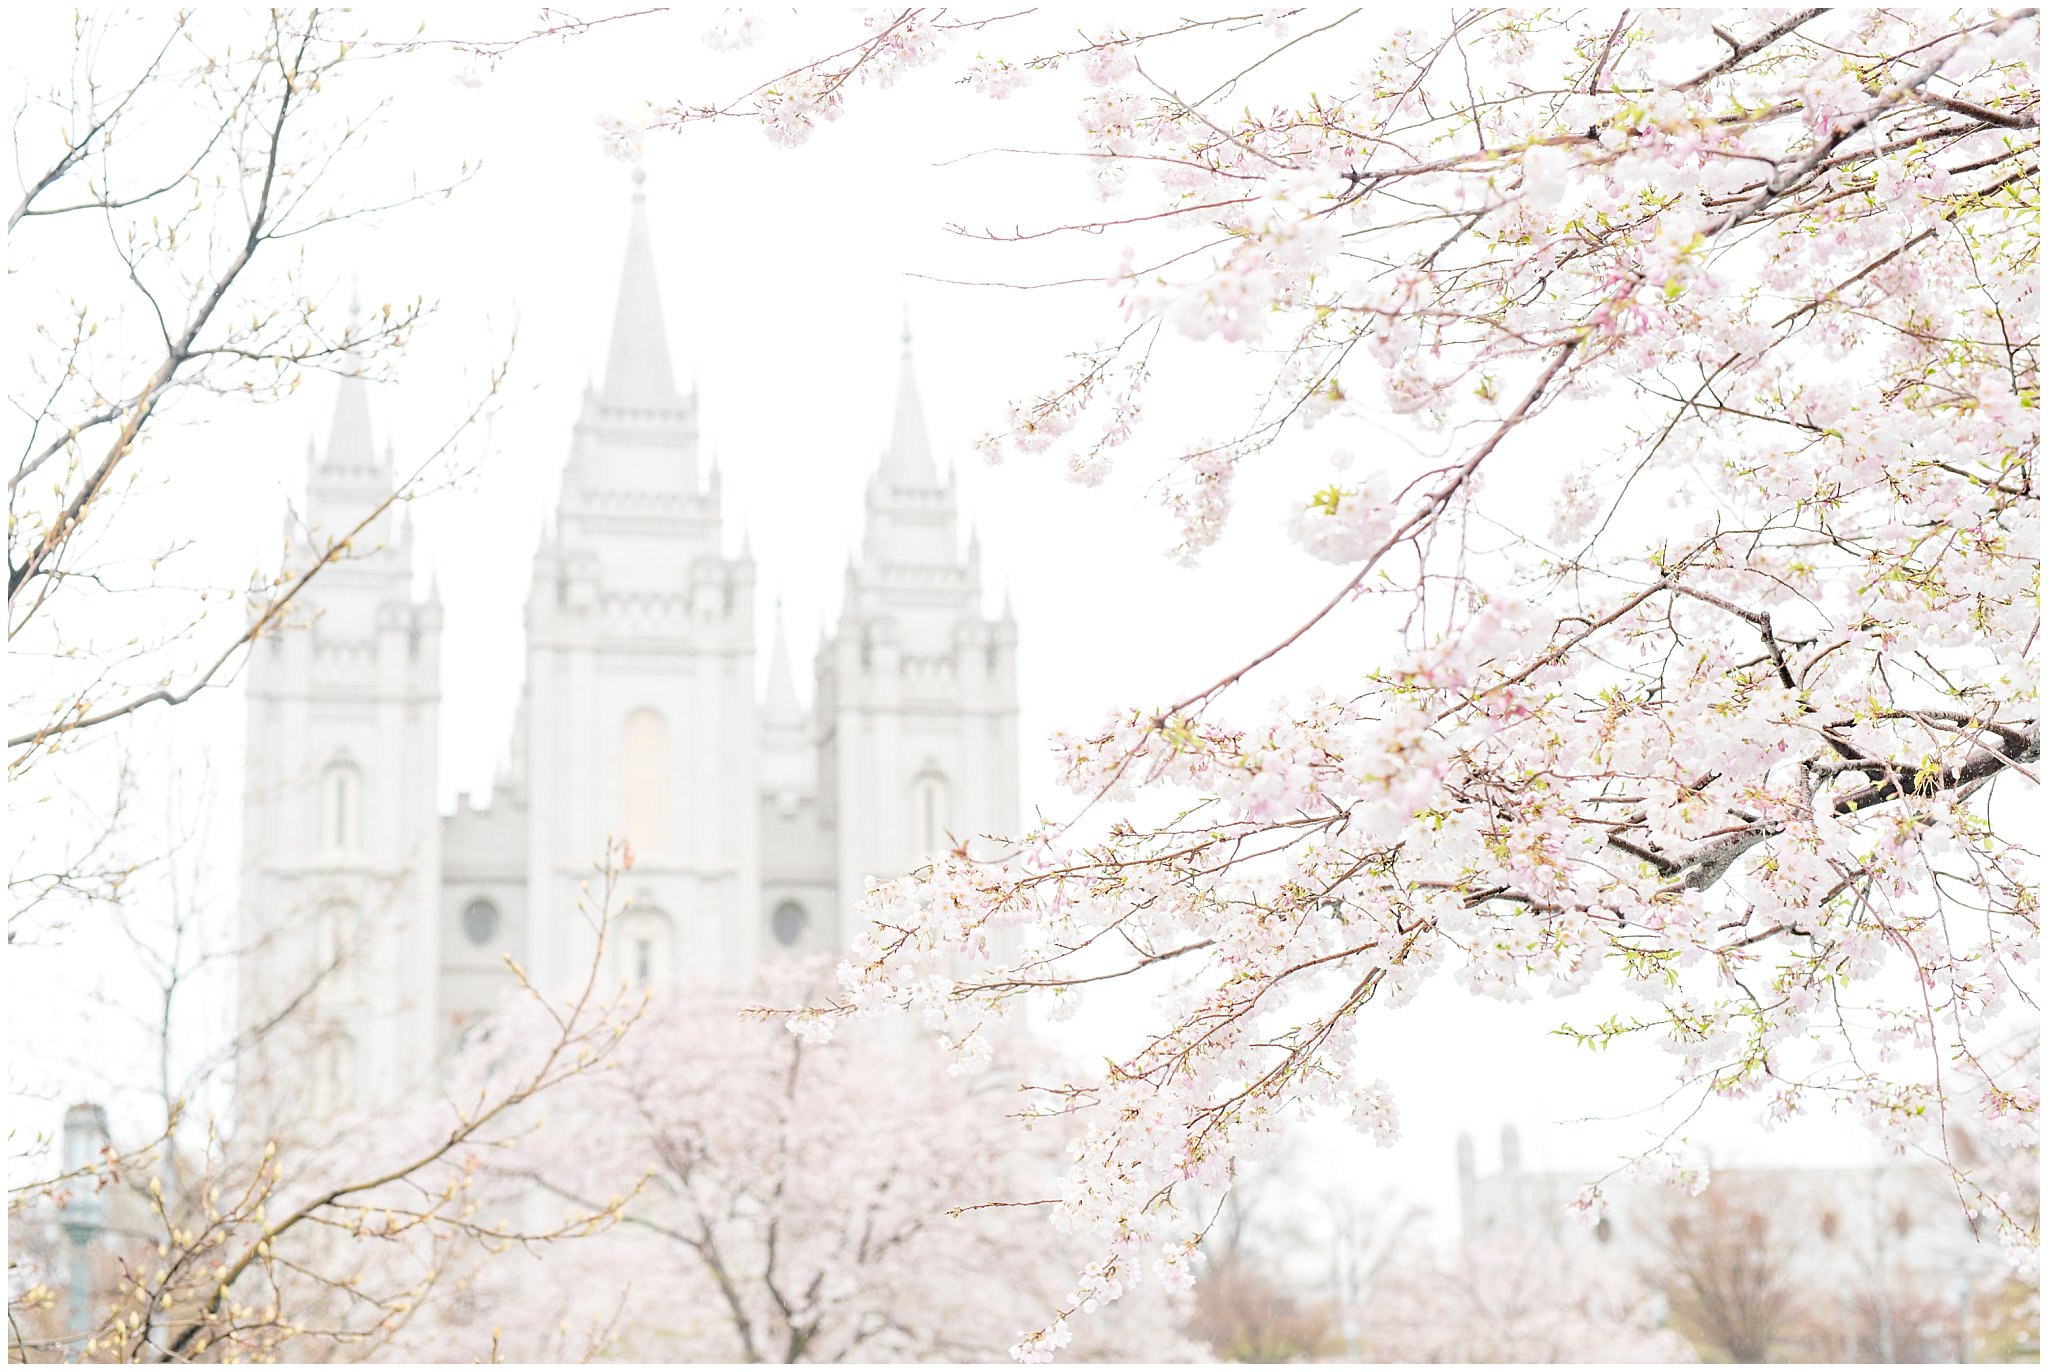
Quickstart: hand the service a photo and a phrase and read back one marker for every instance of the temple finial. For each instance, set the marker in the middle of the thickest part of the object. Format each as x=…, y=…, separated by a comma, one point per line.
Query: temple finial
x=637, y=371
x=907, y=463
x=353, y=352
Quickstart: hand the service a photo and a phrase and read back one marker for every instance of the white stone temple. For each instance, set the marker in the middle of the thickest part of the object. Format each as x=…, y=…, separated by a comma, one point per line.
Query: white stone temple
x=382, y=924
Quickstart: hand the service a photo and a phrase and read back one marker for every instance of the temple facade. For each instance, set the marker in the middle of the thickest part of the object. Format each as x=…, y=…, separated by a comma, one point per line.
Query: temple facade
x=382, y=925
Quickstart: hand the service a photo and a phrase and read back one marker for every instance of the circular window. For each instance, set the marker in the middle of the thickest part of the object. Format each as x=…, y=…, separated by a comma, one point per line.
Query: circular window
x=480, y=921
x=788, y=923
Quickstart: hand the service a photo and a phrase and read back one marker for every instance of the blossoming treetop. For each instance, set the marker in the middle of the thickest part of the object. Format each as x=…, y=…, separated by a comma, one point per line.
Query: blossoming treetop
x=1742, y=721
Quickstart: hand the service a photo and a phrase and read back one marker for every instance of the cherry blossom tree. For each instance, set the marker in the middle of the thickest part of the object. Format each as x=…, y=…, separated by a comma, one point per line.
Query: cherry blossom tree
x=323, y=1235
x=784, y=1202
x=1516, y=1298
x=1705, y=354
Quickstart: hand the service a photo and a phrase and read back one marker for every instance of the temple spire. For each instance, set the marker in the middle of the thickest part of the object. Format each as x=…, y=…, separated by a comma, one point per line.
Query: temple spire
x=908, y=463
x=781, y=706
x=637, y=372
x=349, y=443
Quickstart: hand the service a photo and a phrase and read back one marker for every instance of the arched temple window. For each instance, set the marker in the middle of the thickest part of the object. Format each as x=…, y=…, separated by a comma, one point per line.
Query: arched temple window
x=341, y=809
x=644, y=768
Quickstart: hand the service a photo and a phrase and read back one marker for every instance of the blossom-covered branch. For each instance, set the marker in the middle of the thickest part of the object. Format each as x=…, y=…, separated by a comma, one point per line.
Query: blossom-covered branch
x=1710, y=556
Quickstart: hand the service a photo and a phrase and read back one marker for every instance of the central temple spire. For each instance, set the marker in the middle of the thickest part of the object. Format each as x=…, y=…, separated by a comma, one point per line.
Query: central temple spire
x=349, y=444
x=638, y=374
x=908, y=463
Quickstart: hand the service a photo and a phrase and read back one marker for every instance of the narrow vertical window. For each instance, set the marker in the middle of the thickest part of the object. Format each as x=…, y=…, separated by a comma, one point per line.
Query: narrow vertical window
x=644, y=767
x=334, y=1075
x=929, y=819
x=339, y=930
x=645, y=954
x=341, y=809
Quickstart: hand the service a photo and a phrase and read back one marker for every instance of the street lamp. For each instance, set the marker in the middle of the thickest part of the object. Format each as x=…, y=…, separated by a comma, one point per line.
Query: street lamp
x=1963, y=1293
x=85, y=1134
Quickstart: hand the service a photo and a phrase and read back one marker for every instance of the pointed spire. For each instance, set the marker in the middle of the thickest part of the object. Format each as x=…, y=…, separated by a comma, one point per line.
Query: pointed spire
x=637, y=372
x=349, y=443
x=908, y=462
x=781, y=706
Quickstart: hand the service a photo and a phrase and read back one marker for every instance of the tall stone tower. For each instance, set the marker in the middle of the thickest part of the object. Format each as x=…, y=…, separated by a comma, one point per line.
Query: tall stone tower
x=916, y=687
x=342, y=861
x=640, y=710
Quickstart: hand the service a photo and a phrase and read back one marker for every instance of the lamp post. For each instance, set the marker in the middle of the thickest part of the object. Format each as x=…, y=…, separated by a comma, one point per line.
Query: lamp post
x=85, y=1134
x=1963, y=1293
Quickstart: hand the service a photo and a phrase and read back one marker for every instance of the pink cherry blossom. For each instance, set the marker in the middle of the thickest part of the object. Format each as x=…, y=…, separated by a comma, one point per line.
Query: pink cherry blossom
x=1709, y=348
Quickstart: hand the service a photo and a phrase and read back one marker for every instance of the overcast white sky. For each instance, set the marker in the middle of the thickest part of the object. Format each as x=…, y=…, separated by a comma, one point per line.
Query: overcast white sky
x=783, y=276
